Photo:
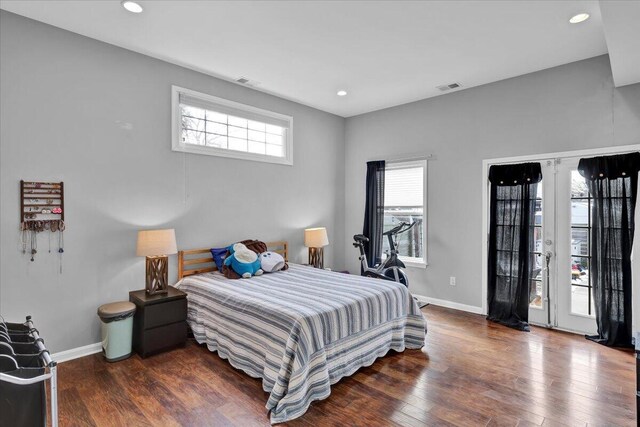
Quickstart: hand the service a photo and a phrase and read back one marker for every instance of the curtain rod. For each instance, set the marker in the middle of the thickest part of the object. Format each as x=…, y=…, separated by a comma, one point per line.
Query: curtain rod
x=407, y=157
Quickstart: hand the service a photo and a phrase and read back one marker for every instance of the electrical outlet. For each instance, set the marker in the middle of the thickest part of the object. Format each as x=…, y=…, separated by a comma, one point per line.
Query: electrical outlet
x=452, y=280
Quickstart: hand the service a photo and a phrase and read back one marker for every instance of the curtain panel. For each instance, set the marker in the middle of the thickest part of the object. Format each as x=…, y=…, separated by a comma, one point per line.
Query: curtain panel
x=374, y=211
x=613, y=185
x=511, y=242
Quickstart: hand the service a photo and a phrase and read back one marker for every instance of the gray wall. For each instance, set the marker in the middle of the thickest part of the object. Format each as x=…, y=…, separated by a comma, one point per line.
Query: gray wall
x=65, y=105
x=63, y=109
x=571, y=107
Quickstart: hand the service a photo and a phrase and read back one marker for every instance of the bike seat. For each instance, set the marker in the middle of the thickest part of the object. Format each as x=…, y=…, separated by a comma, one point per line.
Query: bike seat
x=361, y=238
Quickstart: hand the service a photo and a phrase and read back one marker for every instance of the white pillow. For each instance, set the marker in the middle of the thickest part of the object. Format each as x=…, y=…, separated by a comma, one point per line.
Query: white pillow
x=271, y=262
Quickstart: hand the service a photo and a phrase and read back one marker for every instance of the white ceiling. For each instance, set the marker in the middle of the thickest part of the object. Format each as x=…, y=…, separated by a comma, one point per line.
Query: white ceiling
x=383, y=53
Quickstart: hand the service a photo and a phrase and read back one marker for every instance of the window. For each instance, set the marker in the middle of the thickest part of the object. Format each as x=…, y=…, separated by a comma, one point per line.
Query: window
x=405, y=200
x=205, y=124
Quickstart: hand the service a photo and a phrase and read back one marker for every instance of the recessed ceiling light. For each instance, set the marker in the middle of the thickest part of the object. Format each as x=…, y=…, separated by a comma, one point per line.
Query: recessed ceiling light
x=132, y=6
x=342, y=93
x=581, y=17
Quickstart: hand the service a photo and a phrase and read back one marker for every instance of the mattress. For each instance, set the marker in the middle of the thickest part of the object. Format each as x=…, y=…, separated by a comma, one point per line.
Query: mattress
x=301, y=330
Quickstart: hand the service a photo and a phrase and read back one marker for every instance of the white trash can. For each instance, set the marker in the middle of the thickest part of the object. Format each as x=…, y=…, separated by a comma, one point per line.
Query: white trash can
x=117, y=329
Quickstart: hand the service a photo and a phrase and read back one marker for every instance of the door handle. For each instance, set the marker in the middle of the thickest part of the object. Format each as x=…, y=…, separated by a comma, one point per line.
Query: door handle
x=547, y=258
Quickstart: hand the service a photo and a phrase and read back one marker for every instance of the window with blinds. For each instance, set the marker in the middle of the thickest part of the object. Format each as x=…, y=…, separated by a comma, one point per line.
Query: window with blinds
x=405, y=201
x=204, y=124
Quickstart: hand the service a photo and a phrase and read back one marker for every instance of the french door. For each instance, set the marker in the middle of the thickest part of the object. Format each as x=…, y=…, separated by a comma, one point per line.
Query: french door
x=561, y=289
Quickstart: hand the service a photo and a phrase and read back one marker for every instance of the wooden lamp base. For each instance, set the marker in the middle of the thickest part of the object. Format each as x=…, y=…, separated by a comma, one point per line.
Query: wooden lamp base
x=316, y=257
x=157, y=274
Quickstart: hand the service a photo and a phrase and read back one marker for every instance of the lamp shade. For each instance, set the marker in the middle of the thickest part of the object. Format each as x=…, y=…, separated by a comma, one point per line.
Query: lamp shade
x=316, y=237
x=156, y=242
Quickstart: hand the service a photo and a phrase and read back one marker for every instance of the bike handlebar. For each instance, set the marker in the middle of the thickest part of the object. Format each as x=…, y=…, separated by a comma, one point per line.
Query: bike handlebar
x=399, y=228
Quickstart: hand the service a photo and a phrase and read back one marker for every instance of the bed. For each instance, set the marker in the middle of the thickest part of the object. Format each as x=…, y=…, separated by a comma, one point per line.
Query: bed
x=299, y=330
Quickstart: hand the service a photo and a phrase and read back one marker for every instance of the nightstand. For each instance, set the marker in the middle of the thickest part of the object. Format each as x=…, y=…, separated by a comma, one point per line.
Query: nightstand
x=160, y=322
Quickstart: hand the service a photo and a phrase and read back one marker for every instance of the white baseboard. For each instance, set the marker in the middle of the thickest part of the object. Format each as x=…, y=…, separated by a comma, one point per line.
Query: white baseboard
x=75, y=353
x=449, y=304
x=87, y=350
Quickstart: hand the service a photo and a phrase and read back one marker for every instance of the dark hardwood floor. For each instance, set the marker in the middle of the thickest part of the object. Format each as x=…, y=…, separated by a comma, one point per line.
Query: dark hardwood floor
x=470, y=373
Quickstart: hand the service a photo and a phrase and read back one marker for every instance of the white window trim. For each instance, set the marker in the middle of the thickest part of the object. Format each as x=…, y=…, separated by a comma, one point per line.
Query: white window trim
x=400, y=164
x=176, y=129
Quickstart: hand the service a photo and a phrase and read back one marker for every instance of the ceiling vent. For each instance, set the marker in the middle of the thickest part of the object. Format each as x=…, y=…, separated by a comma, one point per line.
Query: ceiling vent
x=247, y=82
x=450, y=86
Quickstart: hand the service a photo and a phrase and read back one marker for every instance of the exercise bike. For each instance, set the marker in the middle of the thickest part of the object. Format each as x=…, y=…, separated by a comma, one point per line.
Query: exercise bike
x=391, y=268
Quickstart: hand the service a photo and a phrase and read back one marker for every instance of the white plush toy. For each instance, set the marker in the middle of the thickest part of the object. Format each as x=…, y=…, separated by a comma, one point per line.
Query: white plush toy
x=271, y=262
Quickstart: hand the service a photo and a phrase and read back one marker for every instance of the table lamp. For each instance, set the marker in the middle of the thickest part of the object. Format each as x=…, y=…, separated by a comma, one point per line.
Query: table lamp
x=155, y=245
x=315, y=239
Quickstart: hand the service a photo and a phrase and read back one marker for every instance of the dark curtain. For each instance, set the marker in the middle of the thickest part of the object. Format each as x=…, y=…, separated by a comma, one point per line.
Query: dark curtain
x=374, y=212
x=511, y=242
x=613, y=185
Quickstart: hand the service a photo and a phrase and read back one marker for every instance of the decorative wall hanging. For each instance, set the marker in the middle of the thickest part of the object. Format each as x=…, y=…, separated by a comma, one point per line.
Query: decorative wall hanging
x=41, y=209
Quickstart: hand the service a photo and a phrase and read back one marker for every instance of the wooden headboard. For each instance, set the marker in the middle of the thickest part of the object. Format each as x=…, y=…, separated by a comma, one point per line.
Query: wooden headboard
x=196, y=261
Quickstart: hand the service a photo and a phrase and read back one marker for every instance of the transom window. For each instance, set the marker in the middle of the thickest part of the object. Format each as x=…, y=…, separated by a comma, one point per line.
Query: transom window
x=204, y=124
x=405, y=201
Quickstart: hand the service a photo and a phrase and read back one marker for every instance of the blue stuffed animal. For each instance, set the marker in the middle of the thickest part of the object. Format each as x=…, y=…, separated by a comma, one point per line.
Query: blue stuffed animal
x=243, y=261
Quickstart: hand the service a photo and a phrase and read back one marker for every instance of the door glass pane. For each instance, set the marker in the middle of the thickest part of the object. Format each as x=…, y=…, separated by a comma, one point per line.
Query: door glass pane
x=582, y=300
x=581, y=290
x=578, y=185
x=538, y=240
x=535, y=290
x=579, y=241
x=536, y=293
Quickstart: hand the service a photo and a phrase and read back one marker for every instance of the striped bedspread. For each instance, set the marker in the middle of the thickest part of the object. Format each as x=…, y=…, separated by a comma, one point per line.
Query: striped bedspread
x=301, y=330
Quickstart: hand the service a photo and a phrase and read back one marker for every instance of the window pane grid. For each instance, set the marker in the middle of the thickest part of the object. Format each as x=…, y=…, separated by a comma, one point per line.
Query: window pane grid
x=579, y=203
x=213, y=129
